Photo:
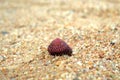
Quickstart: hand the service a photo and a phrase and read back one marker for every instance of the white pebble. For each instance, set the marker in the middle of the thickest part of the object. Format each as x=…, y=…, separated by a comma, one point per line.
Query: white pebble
x=79, y=63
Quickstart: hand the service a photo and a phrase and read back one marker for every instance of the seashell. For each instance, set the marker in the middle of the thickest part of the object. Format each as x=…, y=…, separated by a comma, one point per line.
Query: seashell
x=58, y=48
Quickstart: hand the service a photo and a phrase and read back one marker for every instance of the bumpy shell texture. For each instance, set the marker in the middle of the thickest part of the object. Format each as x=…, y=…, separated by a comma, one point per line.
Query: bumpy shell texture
x=58, y=48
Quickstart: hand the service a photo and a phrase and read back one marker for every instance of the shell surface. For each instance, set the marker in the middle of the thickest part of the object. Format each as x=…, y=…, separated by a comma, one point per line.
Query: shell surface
x=58, y=48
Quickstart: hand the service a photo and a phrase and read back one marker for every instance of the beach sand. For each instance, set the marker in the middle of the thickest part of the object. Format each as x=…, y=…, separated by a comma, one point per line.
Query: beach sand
x=90, y=27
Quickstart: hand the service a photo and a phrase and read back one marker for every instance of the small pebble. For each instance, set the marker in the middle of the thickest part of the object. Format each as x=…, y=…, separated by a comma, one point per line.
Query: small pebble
x=12, y=79
x=79, y=63
x=4, y=32
x=2, y=58
x=113, y=42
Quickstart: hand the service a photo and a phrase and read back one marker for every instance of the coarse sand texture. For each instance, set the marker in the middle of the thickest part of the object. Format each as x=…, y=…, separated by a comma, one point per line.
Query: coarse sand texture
x=87, y=45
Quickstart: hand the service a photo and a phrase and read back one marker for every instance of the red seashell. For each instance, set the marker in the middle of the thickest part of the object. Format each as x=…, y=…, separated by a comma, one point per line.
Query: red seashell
x=58, y=48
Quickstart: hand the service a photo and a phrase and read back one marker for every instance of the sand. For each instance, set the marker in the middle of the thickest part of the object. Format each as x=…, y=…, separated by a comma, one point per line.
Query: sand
x=90, y=27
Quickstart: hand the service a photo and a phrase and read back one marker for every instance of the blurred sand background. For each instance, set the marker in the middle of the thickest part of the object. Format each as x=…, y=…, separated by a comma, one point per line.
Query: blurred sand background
x=90, y=27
